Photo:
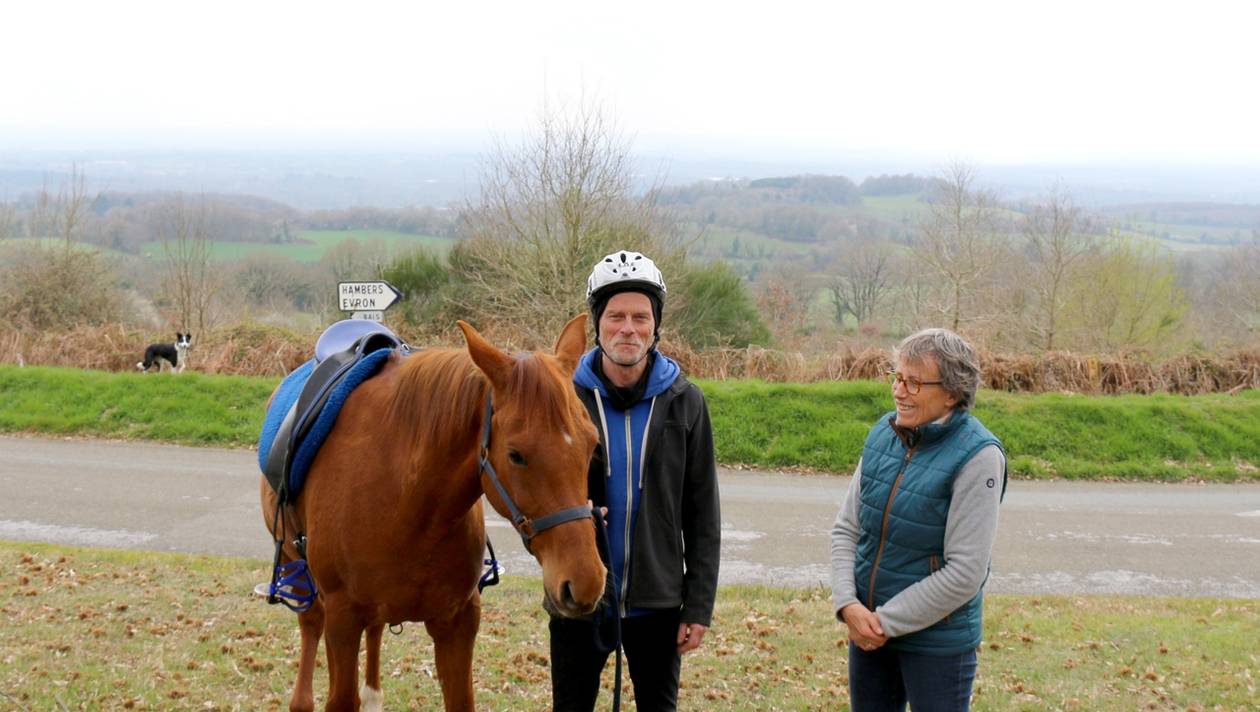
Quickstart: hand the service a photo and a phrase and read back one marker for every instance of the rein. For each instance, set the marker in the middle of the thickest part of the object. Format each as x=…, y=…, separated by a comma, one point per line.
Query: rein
x=526, y=527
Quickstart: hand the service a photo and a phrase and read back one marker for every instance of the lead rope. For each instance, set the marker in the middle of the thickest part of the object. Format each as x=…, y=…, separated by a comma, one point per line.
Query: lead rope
x=602, y=528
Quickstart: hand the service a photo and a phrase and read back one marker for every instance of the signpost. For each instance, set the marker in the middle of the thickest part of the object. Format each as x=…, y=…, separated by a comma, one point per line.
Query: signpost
x=367, y=300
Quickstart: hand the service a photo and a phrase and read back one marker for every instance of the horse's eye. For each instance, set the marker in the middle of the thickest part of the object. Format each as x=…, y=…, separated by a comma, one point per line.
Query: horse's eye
x=515, y=458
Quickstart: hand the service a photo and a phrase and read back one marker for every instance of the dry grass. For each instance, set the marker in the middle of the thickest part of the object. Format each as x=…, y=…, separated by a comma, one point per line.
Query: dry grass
x=268, y=351
x=89, y=629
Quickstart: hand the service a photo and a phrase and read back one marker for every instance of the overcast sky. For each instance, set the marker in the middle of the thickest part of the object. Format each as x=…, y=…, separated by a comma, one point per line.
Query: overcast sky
x=997, y=82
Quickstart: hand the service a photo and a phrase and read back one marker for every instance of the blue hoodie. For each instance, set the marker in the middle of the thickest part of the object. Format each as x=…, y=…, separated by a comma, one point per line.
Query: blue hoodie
x=624, y=434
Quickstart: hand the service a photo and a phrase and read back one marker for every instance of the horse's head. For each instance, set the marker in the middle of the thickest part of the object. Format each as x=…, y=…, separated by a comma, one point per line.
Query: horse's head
x=540, y=447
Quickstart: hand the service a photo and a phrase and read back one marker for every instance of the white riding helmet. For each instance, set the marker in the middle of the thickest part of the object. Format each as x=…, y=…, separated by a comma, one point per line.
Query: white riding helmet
x=623, y=271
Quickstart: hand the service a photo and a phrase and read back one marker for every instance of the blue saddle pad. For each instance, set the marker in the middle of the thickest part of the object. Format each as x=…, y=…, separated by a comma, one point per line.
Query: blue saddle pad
x=287, y=395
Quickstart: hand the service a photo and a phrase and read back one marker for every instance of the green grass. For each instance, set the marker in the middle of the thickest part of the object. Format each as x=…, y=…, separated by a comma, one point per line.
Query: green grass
x=822, y=426
x=817, y=426
x=191, y=408
x=313, y=246
x=107, y=630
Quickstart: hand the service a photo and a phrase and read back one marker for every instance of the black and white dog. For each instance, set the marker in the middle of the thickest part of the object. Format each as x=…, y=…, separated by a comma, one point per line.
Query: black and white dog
x=175, y=354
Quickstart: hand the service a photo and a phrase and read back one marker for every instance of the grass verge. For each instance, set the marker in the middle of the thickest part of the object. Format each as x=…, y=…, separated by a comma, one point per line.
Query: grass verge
x=106, y=630
x=1214, y=437
x=816, y=426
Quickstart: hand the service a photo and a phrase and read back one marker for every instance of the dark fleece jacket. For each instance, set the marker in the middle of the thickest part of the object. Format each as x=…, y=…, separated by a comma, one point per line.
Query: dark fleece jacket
x=676, y=548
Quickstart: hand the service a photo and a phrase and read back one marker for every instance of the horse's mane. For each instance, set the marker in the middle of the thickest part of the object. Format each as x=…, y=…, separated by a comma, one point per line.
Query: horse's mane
x=441, y=395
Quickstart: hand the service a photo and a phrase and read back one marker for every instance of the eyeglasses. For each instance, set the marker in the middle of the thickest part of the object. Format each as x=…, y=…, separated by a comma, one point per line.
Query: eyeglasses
x=913, y=385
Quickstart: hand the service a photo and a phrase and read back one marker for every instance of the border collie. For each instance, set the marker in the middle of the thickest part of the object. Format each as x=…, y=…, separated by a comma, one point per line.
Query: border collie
x=175, y=354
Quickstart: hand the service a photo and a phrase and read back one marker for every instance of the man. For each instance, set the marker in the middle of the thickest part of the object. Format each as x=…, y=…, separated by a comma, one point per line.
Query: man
x=655, y=476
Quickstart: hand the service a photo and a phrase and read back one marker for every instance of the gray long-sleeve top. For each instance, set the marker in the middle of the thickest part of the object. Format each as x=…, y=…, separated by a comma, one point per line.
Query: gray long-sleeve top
x=970, y=529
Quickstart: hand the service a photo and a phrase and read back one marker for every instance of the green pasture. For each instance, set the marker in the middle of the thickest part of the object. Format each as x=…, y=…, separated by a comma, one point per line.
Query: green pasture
x=1190, y=233
x=313, y=244
x=99, y=629
x=816, y=427
x=715, y=241
x=894, y=208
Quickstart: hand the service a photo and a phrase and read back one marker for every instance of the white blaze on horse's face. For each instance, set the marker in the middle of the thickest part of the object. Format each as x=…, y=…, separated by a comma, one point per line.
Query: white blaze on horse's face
x=541, y=444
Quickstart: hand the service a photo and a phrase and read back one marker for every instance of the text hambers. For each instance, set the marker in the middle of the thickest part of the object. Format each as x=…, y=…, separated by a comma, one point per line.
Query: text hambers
x=366, y=296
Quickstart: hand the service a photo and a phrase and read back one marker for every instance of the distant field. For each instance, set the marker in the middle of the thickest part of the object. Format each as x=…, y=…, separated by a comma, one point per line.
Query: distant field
x=313, y=244
x=893, y=208
x=1191, y=233
x=716, y=241
x=53, y=242
x=1172, y=244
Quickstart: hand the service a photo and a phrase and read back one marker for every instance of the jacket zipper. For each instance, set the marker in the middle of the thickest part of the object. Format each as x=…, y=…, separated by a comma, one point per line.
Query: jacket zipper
x=643, y=444
x=625, y=564
x=883, y=529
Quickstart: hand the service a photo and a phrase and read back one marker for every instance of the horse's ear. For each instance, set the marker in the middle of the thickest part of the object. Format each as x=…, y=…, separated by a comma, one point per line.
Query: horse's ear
x=572, y=343
x=494, y=363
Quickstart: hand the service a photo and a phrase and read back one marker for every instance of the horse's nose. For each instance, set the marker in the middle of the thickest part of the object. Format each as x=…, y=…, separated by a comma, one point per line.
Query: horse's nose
x=567, y=601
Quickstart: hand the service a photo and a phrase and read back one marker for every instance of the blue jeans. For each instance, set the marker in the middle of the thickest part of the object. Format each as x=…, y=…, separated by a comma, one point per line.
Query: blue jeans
x=885, y=680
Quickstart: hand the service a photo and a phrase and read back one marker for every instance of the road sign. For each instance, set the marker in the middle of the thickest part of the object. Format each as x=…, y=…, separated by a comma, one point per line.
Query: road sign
x=366, y=296
x=369, y=315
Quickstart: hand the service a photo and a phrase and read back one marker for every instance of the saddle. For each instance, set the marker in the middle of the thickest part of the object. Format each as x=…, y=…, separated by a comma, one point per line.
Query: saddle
x=306, y=404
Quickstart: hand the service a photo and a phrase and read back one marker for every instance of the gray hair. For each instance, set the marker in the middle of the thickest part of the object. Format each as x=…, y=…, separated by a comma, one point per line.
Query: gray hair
x=954, y=357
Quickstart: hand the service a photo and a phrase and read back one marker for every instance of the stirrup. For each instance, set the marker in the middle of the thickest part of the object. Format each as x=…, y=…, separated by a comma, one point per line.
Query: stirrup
x=493, y=569
x=287, y=583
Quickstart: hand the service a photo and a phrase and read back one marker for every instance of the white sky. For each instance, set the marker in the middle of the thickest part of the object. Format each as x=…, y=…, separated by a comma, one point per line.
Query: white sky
x=1008, y=81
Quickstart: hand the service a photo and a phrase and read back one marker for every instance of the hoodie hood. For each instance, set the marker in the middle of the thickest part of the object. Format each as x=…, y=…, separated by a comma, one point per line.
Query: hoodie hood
x=664, y=372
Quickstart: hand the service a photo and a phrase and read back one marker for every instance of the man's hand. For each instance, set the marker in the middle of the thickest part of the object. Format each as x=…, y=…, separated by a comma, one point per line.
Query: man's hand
x=690, y=635
x=864, y=627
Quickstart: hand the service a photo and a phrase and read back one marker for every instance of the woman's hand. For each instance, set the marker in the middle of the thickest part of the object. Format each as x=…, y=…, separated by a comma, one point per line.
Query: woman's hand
x=864, y=628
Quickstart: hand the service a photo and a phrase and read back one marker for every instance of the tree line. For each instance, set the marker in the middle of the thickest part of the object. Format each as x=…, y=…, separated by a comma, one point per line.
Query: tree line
x=1038, y=275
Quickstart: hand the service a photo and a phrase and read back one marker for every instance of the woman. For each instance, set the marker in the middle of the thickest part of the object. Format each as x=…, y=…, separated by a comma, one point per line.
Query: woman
x=911, y=545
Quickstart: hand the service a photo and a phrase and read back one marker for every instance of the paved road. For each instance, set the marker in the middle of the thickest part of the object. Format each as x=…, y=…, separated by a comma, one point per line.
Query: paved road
x=1183, y=540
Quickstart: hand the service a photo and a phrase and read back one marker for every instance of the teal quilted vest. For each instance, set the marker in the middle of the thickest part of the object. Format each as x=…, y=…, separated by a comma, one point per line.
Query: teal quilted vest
x=905, y=501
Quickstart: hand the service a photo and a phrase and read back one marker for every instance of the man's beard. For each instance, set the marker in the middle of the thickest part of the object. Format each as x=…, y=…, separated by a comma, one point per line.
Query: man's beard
x=618, y=357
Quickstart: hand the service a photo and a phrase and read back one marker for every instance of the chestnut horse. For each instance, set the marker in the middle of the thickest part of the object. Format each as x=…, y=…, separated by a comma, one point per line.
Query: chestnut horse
x=392, y=510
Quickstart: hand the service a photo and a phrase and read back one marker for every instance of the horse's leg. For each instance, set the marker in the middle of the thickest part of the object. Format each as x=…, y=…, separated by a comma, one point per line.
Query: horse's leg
x=453, y=640
x=312, y=626
x=343, y=631
x=370, y=693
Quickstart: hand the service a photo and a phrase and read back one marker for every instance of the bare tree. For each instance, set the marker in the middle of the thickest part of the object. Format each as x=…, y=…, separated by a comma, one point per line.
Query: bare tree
x=1059, y=236
x=959, y=239
x=41, y=219
x=72, y=207
x=548, y=210
x=61, y=214
x=783, y=299
x=57, y=286
x=9, y=222
x=1127, y=296
x=1237, y=291
x=860, y=278
x=190, y=282
x=352, y=259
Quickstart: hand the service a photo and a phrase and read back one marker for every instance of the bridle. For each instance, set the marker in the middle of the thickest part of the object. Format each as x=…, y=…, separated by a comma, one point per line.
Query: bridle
x=528, y=528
